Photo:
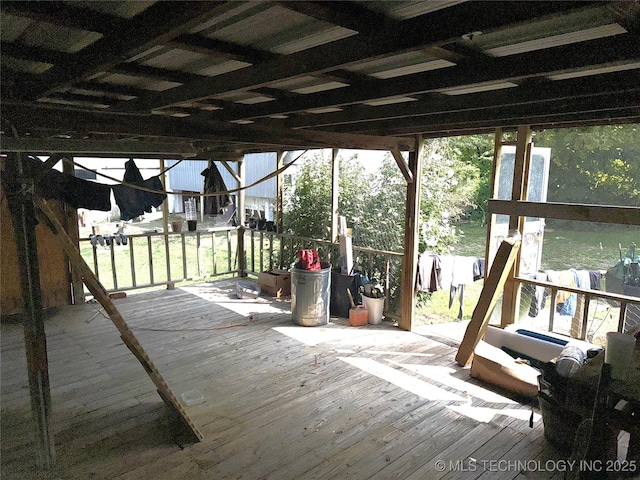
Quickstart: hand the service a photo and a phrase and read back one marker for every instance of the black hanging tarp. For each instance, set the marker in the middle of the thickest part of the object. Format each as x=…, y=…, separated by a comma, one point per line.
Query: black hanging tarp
x=214, y=183
x=133, y=202
x=76, y=192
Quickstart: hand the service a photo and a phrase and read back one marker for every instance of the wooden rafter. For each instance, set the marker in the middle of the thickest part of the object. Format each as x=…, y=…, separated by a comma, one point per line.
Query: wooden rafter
x=345, y=14
x=446, y=24
x=219, y=48
x=213, y=131
x=514, y=68
x=65, y=15
x=163, y=20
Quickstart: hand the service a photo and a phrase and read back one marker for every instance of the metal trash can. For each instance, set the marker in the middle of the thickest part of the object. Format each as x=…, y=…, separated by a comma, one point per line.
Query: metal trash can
x=310, y=290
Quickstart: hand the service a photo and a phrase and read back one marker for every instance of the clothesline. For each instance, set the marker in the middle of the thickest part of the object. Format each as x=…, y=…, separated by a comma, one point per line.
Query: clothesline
x=172, y=192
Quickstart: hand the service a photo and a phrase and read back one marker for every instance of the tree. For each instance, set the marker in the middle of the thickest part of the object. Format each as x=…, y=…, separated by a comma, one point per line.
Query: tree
x=374, y=204
x=594, y=163
x=307, y=203
x=476, y=151
x=448, y=188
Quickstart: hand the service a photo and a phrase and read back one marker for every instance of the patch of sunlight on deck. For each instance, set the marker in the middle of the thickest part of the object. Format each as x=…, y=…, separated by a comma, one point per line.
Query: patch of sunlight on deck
x=402, y=380
x=349, y=336
x=444, y=376
x=486, y=414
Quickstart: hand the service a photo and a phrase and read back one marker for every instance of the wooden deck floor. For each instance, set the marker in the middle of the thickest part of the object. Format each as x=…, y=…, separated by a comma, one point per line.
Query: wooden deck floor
x=281, y=401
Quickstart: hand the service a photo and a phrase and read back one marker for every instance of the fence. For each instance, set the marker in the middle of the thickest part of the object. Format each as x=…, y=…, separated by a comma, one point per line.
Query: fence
x=596, y=311
x=157, y=258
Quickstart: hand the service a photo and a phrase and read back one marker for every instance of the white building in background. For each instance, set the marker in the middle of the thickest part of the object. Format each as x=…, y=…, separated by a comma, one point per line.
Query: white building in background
x=260, y=199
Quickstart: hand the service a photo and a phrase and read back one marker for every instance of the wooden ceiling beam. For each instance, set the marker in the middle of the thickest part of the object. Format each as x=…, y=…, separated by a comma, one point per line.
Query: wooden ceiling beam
x=219, y=48
x=605, y=108
x=34, y=54
x=344, y=14
x=444, y=26
x=434, y=104
x=88, y=147
x=54, y=119
x=65, y=15
x=605, y=51
x=163, y=74
x=158, y=23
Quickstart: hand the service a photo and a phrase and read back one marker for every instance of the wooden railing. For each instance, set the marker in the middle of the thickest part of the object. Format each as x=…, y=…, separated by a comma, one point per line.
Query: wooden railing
x=157, y=258
x=629, y=307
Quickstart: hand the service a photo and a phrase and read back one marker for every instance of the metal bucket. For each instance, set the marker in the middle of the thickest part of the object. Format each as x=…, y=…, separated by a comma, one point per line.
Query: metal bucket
x=310, y=291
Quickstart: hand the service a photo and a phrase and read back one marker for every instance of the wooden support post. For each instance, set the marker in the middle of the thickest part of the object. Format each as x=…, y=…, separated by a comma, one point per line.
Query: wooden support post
x=511, y=295
x=241, y=216
x=402, y=165
x=165, y=222
x=502, y=264
x=77, y=287
x=35, y=340
x=335, y=190
x=497, y=158
x=411, y=237
x=279, y=192
x=127, y=335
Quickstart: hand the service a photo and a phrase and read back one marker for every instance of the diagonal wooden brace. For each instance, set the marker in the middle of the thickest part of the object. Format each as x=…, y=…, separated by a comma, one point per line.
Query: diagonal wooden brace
x=127, y=335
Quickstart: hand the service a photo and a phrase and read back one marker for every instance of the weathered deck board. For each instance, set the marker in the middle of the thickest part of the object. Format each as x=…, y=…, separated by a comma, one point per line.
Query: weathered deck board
x=281, y=401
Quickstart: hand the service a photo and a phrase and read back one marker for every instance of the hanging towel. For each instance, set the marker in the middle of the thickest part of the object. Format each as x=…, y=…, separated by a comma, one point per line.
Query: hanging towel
x=428, y=276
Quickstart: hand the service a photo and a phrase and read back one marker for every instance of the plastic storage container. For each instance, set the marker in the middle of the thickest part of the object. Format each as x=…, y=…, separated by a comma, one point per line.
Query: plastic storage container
x=310, y=290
